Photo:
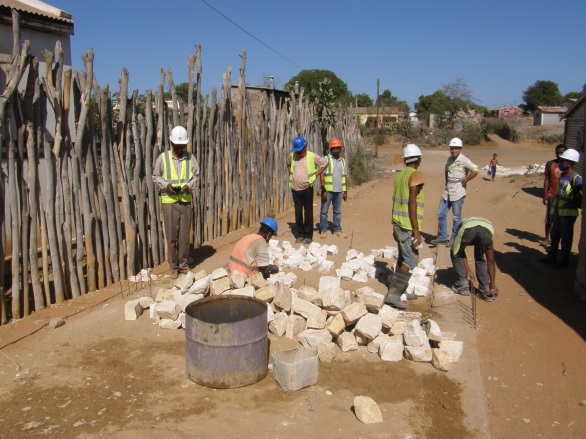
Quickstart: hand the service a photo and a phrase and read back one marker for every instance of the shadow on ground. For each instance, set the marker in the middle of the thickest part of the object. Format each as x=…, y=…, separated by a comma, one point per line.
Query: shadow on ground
x=535, y=191
x=200, y=254
x=550, y=287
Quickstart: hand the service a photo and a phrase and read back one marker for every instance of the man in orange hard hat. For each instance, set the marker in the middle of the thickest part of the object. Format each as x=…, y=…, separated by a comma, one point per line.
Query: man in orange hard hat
x=333, y=190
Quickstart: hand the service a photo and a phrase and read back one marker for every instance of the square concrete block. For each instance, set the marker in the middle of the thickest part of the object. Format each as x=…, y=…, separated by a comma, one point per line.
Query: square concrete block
x=295, y=369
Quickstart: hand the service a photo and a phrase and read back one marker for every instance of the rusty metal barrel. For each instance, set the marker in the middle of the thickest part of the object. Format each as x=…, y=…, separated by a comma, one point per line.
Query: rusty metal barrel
x=226, y=341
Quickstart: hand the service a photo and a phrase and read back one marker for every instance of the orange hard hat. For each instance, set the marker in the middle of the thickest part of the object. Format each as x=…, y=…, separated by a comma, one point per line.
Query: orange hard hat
x=335, y=143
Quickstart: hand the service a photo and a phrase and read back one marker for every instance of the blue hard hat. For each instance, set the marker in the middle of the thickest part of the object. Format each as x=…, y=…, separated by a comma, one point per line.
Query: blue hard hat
x=299, y=143
x=271, y=223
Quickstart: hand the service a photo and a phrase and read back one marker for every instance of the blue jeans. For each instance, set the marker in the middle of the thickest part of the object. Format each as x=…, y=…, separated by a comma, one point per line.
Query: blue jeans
x=442, y=217
x=336, y=198
x=407, y=255
x=562, y=230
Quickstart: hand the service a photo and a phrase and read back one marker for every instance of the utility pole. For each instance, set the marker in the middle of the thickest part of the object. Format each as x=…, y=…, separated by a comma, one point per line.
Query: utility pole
x=376, y=122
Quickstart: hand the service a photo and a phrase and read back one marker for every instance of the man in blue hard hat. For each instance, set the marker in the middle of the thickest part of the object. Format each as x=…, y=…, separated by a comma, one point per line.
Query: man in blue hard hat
x=304, y=168
x=251, y=253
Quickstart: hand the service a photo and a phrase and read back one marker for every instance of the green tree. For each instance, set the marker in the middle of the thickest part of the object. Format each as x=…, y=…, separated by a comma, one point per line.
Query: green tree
x=438, y=104
x=576, y=94
x=446, y=103
x=310, y=80
x=386, y=99
x=541, y=93
x=181, y=90
x=363, y=100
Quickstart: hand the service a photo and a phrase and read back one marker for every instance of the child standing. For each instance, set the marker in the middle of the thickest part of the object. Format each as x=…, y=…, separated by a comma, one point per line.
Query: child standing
x=492, y=166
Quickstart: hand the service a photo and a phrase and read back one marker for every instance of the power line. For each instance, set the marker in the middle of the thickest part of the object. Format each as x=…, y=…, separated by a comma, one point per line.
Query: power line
x=244, y=30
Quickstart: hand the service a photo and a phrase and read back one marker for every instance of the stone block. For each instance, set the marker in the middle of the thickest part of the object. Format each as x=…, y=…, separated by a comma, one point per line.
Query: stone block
x=310, y=338
x=351, y=254
x=283, y=298
x=132, y=310
x=413, y=335
x=407, y=316
x=337, y=325
x=303, y=307
x=371, y=299
x=247, y=291
x=336, y=299
x=367, y=410
x=453, y=347
x=167, y=310
x=390, y=253
x=290, y=279
x=145, y=302
x=326, y=352
x=295, y=326
x=184, y=282
x=427, y=265
x=388, y=316
x=361, y=277
x=369, y=326
x=56, y=322
x=220, y=286
x=169, y=324
x=345, y=273
x=433, y=331
x=265, y=294
x=441, y=360
x=374, y=344
x=418, y=353
x=219, y=273
x=181, y=319
x=333, y=250
x=305, y=266
x=165, y=294
x=201, y=286
x=257, y=281
x=237, y=279
x=274, y=243
x=279, y=324
x=328, y=283
x=360, y=338
x=353, y=312
x=270, y=313
x=310, y=294
x=347, y=342
x=325, y=266
x=187, y=299
x=295, y=369
x=200, y=275
x=317, y=319
x=398, y=328
x=376, y=253
x=391, y=350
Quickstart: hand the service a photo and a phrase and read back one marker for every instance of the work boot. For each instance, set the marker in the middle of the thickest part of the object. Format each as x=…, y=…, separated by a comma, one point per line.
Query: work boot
x=340, y=234
x=323, y=235
x=399, y=283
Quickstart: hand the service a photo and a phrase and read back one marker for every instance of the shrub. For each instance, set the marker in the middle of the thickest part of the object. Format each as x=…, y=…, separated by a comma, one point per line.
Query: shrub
x=502, y=129
x=361, y=171
x=472, y=134
x=552, y=138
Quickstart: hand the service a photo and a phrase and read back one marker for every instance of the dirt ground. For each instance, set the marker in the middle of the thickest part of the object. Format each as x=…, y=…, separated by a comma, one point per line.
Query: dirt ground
x=522, y=373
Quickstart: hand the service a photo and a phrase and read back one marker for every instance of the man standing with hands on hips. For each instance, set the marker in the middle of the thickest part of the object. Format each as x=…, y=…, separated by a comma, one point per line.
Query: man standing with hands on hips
x=459, y=171
x=176, y=173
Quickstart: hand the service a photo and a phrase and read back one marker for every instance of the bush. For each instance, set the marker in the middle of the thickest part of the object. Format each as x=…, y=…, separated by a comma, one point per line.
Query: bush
x=552, y=138
x=472, y=134
x=502, y=129
x=361, y=171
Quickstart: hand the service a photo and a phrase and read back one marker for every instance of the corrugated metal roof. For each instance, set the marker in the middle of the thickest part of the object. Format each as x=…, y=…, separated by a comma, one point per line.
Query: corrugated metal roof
x=552, y=109
x=37, y=8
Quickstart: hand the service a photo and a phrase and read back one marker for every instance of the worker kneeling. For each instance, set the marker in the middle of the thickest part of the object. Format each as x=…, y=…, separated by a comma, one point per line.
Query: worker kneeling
x=251, y=253
x=478, y=232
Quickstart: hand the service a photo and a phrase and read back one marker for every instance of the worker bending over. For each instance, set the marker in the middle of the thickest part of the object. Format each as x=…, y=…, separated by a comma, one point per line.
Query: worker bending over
x=251, y=253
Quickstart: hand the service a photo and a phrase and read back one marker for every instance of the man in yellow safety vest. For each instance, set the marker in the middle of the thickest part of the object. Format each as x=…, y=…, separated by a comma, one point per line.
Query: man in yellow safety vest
x=304, y=167
x=176, y=173
x=333, y=187
x=407, y=217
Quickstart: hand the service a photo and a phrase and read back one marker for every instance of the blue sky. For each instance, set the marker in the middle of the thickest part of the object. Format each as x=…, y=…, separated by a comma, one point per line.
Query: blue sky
x=412, y=47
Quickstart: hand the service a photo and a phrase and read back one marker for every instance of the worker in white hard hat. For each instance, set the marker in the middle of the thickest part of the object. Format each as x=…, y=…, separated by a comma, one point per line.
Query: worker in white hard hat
x=176, y=173
x=459, y=171
x=407, y=219
x=565, y=210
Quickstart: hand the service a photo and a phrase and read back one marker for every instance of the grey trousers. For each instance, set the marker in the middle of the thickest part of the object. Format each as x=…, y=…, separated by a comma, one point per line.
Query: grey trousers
x=177, y=222
x=481, y=267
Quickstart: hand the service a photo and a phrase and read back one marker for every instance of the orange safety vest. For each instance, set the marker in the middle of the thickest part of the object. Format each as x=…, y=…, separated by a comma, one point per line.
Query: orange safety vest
x=237, y=261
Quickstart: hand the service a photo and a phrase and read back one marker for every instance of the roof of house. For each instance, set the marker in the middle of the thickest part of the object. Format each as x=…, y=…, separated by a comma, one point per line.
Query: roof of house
x=37, y=7
x=372, y=110
x=552, y=109
x=576, y=105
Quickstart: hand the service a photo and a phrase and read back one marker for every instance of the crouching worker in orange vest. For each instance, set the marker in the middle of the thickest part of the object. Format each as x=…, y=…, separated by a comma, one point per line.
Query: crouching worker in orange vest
x=251, y=253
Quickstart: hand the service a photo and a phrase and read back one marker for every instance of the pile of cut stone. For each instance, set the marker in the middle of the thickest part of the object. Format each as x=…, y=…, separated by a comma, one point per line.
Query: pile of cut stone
x=326, y=320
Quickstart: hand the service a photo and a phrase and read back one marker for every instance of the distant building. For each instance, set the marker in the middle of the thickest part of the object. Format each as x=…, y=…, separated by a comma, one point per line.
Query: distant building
x=575, y=129
x=43, y=25
x=259, y=96
x=568, y=102
x=506, y=112
x=386, y=116
x=548, y=115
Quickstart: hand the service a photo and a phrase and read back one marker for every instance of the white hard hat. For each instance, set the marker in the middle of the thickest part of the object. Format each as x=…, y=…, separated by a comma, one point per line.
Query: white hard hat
x=571, y=155
x=456, y=143
x=411, y=151
x=179, y=136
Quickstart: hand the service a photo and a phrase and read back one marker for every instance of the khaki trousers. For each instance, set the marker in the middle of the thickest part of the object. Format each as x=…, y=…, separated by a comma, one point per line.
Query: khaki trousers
x=177, y=222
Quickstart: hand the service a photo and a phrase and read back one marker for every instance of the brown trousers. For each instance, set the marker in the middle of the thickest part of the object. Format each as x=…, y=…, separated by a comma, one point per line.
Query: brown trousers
x=177, y=222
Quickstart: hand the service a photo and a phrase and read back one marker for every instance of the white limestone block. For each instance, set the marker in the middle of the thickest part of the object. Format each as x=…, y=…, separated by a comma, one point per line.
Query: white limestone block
x=219, y=273
x=328, y=283
x=286, y=244
x=274, y=243
x=326, y=266
x=369, y=326
x=371, y=299
x=201, y=286
x=453, y=347
x=187, y=299
x=360, y=339
x=433, y=331
x=220, y=286
x=390, y=253
x=265, y=294
x=391, y=350
x=353, y=312
x=317, y=319
x=388, y=316
x=336, y=299
x=295, y=325
x=441, y=360
x=237, y=279
x=279, y=324
x=398, y=328
x=326, y=352
x=184, y=282
x=165, y=294
x=413, y=335
x=427, y=265
x=283, y=298
x=367, y=411
x=289, y=279
x=311, y=338
x=345, y=273
x=247, y=291
x=407, y=316
x=310, y=294
x=374, y=344
x=169, y=324
x=418, y=353
x=361, y=277
x=200, y=275
x=333, y=250
x=376, y=253
x=167, y=310
x=132, y=309
x=303, y=307
x=270, y=314
x=347, y=342
x=336, y=325
x=351, y=254
x=145, y=302
x=305, y=266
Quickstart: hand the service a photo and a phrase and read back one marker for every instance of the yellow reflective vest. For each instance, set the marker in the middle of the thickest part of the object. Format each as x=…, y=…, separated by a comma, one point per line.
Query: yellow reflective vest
x=565, y=197
x=170, y=176
x=468, y=223
x=401, y=201
x=311, y=169
x=329, y=175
